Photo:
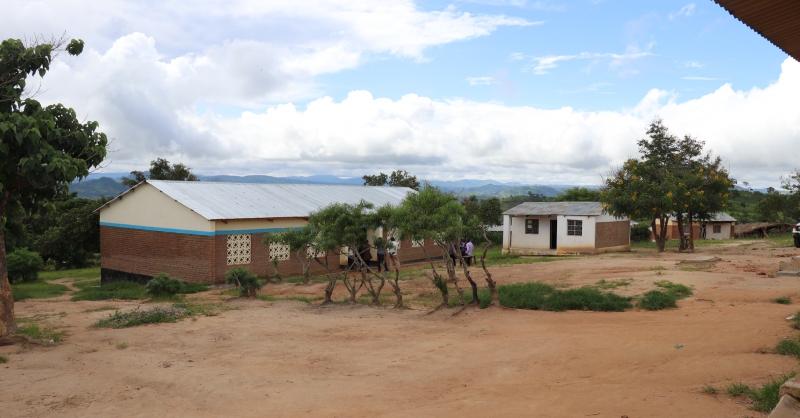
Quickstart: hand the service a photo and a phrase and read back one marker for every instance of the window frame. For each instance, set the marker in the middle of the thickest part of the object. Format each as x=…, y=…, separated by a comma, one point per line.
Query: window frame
x=575, y=227
x=533, y=228
x=242, y=243
x=716, y=229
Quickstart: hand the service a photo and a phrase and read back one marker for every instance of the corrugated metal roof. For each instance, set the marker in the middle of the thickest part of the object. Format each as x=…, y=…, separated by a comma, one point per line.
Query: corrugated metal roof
x=556, y=208
x=222, y=201
x=718, y=217
x=776, y=20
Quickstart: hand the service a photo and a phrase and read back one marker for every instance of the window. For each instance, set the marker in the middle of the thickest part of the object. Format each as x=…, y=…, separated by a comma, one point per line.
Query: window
x=417, y=243
x=686, y=229
x=717, y=229
x=278, y=251
x=574, y=227
x=238, y=249
x=531, y=226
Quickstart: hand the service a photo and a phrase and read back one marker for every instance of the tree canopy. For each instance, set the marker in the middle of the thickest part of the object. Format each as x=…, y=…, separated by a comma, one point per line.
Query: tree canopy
x=577, y=194
x=399, y=178
x=43, y=148
x=160, y=169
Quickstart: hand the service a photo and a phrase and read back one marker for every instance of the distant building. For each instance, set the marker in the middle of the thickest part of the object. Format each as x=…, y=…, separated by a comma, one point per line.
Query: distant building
x=196, y=231
x=721, y=226
x=555, y=228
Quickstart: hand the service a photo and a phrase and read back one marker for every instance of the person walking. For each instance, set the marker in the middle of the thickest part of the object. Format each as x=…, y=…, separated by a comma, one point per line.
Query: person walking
x=468, y=247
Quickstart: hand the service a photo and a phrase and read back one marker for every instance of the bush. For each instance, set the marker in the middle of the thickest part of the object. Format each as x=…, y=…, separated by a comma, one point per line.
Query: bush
x=640, y=232
x=495, y=237
x=541, y=296
x=246, y=282
x=23, y=265
x=655, y=300
x=163, y=285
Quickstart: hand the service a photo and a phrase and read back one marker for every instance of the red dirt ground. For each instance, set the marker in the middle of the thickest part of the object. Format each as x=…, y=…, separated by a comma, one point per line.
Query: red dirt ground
x=287, y=358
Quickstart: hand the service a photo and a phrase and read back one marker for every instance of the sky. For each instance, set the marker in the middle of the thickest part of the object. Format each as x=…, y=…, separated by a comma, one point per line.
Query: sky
x=545, y=92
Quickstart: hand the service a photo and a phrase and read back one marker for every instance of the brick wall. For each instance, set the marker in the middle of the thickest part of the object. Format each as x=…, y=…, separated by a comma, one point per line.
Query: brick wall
x=674, y=233
x=147, y=253
x=410, y=254
x=612, y=234
x=260, y=263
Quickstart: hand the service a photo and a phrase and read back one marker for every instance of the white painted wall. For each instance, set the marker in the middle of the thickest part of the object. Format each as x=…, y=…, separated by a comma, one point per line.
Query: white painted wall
x=515, y=238
x=520, y=240
x=149, y=207
x=570, y=243
x=725, y=231
x=260, y=224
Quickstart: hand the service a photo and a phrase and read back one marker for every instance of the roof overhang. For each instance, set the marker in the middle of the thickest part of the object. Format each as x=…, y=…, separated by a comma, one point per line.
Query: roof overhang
x=776, y=20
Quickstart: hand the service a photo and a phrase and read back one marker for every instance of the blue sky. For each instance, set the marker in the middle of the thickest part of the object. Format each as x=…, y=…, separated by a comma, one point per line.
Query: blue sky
x=530, y=91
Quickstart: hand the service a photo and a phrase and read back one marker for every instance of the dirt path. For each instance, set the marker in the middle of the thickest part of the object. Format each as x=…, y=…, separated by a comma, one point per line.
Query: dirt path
x=288, y=359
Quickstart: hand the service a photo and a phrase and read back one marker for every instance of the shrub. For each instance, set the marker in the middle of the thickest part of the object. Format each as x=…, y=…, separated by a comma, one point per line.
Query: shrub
x=655, y=300
x=3, y=359
x=23, y=265
x=163, y=285
x=783, y=300
x=246, y=282
x=679, y=290
x=640, y=232
x=541, y=296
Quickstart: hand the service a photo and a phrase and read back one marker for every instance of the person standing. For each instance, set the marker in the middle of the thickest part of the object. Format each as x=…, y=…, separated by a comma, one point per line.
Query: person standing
x=392, y=250
x=452, y=252
x=468, y=247
x=382, y=259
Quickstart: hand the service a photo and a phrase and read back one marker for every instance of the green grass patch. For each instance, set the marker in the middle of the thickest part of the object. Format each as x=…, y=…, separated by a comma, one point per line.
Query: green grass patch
x=138, y=317
x=3, y=359
x=305, y=299
x=656, y=300
x=37, y=290
x=44, y=334
x=199, y=307
x=656, y=268
x=91, y=290
x=710, y=390
x=86, y=273
x=495, y=258
x=788, y=348
x=783, y=300
x=612, y=284
x=674, y=243
x=189, y=288
x=764, y=398
x=541, y=296
x=483, y=294
x=679, y=290
x=122, y=346
x=82, y=284
x=795, y=322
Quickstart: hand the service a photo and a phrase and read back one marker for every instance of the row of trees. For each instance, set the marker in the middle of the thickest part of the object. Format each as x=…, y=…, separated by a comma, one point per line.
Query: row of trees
x=426, y=215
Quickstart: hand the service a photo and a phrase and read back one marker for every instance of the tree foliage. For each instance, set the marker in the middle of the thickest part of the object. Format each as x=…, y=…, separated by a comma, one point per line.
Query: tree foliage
x=398, y=178
x=577, y=194
x=488, y=211
x=672, y=178
x=303, y=242
x=160, y=169
x=43, y=148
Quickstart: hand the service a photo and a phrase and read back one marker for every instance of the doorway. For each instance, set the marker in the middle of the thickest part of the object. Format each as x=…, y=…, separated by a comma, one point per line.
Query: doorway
x=553, y=234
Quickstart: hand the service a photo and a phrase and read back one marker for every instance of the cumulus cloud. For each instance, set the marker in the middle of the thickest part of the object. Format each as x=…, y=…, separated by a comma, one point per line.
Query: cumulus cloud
x=480, y=81
x=460, y=138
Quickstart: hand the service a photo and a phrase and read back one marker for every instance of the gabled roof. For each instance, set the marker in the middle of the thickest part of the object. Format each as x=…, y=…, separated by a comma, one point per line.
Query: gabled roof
x=718, y=217
x=227, y=201
x=556, y=208
x=776, y=20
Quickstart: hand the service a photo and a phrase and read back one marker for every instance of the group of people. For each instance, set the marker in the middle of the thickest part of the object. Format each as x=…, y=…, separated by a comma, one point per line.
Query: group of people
x=384, y=259
x=465, y=247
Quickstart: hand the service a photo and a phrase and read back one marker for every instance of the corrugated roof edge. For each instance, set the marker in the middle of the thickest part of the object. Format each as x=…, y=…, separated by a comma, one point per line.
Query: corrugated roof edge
x=132, y=189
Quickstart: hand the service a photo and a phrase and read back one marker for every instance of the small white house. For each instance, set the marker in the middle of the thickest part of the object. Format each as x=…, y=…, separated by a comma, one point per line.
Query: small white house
x=555, y=228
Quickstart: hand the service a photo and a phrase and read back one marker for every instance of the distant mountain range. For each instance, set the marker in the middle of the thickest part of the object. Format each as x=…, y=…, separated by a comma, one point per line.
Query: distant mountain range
x=108, y=184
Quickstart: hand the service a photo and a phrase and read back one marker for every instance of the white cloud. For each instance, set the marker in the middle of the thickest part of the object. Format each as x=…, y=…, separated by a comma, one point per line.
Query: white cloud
x=687, y=11
x=700, y=78
x=435, y=139
x=692, y=64
x=480, y=81
x=542, y=65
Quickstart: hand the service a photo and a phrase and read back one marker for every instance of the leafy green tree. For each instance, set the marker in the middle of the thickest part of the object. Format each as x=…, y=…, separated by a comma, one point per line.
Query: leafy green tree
x=68, y=234
x=302, y=242
x=24, y=265
x=43, y=148
x=241, y=277
x=399, y=178
x=488, y=211
x=160, y=169
x=671, y=178
x=777, y=207
x=577, y=194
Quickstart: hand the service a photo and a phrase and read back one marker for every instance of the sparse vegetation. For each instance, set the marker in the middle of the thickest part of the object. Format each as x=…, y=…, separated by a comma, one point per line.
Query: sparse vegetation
x=306, y=299
x=679, y=290
x=765, y=397
x=138, y=317
x=3, y=359
x=788, y=347
x=708, y=389
x=783, y=300
x=162, y=285
x=85, y=273
x=612, y=284
x=37, y=290
x=541, y=296
x=92, y=290
x=42, y=334
x=656, y=300
x=795, y=321
x=101, y=309
x=122, y=346
x=241, y=277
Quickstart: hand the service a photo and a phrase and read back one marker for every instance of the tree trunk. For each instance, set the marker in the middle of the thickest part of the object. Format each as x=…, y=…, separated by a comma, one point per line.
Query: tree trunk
x=436, y=277
x=475, y=299
x=331, y=281
x=691, y=233
x=661, y=237
x=396, y=289
x=8, y=326
x=306, y=269
x=490, y=283
x=681, y=240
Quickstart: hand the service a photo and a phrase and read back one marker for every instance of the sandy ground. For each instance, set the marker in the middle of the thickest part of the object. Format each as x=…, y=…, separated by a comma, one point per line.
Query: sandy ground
x=287, y=358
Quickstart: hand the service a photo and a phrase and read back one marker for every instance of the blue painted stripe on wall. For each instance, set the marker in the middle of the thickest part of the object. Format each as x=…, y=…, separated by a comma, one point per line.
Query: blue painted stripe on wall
x=191, y=232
